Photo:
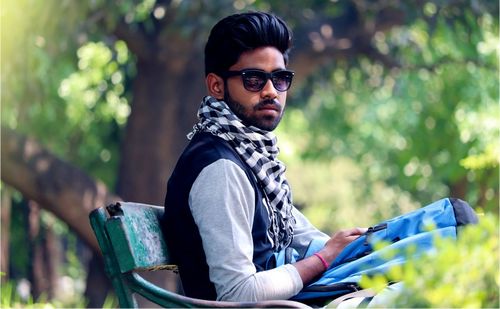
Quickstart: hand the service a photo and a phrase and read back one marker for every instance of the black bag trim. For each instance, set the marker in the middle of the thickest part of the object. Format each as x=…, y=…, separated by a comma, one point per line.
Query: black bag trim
x=341, y=286
x=464, y=214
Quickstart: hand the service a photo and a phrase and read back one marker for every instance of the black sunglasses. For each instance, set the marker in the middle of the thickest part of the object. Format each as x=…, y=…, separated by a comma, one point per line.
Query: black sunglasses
x=254, y=80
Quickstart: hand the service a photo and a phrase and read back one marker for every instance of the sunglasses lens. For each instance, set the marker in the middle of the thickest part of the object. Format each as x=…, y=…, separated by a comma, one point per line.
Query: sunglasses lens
x=254, y=80
x=282, y=80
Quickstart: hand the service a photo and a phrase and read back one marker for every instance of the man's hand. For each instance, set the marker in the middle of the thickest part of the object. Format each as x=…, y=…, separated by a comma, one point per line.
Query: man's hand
x=312, y=266
x=339, y=241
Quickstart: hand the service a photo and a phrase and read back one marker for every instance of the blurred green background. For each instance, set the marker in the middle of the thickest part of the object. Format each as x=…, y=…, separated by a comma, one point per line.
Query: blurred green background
x=394, y=105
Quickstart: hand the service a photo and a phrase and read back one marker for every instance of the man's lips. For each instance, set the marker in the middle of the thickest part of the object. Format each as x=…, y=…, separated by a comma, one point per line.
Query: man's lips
x=272, y=106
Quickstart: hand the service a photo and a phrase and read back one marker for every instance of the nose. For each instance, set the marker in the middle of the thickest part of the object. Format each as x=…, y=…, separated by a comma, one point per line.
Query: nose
x=269, y=91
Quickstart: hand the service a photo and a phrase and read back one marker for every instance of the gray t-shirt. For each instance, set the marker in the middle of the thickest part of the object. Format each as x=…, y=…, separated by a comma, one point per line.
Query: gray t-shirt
x=223, y=197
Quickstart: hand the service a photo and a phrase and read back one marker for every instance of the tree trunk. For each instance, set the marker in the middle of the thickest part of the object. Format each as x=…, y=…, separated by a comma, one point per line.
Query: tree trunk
x=156, y=129
x=52, y=256
x=36, y=268
x=458, y=189
x=45, y=255
x=5, y=234
x=98, y=285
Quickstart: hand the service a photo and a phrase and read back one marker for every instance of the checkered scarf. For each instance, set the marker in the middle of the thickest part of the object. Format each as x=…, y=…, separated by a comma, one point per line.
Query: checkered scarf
x=258, y=148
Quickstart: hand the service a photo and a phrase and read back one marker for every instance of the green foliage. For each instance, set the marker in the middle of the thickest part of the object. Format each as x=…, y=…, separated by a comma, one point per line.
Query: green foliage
x=77, y=111
x=12, y=299
x=97, y=107
x=461, y=274
x=18, y=235
x=71, y=95
x=332, y=194
x=110, y=302
x=428, y=125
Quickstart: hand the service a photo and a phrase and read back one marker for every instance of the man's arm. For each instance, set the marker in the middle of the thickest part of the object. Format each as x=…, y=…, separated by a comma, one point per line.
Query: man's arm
x=222, y=202
x=311, y=267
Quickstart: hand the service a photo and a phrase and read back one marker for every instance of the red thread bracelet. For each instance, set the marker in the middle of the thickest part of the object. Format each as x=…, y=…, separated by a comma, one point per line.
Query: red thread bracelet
x=325, y=264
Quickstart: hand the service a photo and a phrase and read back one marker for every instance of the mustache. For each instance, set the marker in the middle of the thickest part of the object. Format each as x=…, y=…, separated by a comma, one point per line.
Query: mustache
x=266, y=102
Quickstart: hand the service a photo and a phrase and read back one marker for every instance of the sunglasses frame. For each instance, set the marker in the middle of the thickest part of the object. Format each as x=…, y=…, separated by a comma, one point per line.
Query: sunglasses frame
x=246, y=73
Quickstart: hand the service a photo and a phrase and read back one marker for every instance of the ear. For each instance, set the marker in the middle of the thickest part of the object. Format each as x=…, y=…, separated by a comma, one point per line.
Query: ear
x=215, y=86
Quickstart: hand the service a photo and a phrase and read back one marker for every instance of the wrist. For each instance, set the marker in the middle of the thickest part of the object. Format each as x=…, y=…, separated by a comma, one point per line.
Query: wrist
x=326, y=265
x=328, y=255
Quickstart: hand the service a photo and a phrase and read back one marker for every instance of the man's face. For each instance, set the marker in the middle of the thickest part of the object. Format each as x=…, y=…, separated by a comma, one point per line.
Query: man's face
x=262, y=109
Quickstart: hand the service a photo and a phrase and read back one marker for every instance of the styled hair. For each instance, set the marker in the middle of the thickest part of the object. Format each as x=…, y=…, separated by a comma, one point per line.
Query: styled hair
x=238, y=33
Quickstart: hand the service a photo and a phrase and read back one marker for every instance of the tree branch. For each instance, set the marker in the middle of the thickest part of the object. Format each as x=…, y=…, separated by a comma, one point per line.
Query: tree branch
x=137, y=42
x=57, y=186
x=346, y=36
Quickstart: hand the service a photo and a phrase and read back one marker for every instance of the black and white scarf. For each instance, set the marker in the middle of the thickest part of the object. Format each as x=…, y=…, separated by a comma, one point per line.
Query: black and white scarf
x=258, y=148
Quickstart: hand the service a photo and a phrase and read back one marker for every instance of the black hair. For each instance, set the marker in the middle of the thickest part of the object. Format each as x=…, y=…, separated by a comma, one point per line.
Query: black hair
x=239, y=33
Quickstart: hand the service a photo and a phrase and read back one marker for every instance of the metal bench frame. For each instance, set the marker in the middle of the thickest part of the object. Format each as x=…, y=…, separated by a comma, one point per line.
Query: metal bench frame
x=131, y=240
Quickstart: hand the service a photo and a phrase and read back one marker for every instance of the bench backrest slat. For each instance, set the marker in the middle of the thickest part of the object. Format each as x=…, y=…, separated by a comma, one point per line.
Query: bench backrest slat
x=136, y=236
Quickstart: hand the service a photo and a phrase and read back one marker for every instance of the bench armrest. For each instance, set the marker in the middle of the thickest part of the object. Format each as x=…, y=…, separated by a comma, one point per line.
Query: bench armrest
x=167, y=299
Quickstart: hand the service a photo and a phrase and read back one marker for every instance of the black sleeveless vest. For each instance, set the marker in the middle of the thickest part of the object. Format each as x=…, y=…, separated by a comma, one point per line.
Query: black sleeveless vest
x=182, y=235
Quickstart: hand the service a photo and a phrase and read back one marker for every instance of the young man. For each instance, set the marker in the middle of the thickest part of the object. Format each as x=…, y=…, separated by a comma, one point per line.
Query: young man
x=228, y=206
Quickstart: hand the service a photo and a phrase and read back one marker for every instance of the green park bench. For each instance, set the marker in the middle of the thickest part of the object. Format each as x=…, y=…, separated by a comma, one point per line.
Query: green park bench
x=132, y=241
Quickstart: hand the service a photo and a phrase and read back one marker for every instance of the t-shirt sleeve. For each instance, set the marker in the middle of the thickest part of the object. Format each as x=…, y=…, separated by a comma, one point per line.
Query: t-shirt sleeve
x=222, y=202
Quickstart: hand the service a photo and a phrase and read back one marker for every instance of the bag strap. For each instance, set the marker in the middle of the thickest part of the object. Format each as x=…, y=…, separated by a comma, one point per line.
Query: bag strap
x=361, y=293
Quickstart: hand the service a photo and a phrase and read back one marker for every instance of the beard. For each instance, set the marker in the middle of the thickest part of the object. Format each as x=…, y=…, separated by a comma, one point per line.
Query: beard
x=249, y=115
